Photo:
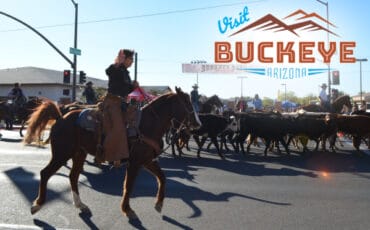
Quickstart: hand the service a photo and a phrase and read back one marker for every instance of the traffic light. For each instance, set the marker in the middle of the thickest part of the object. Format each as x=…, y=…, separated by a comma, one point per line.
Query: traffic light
x=82, y=77
x=336, y=77
x=66, y=76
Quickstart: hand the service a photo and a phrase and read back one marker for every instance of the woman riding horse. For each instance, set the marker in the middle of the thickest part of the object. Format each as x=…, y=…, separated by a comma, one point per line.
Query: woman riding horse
x=68, y=140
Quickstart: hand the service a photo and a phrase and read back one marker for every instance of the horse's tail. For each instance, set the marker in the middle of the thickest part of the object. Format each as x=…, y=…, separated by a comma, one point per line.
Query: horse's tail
x=46, y=113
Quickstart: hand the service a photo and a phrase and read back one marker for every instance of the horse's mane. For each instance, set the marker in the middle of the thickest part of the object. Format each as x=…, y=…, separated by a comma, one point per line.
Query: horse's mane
x=39, y=119
x=341, y=98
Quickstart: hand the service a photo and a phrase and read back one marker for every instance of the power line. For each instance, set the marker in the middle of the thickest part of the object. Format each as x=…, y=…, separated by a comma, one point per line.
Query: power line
x=138, y=16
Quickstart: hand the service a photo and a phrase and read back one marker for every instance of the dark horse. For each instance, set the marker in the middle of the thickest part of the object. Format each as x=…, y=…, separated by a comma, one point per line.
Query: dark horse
x=336, y=106
x=209, y=104
x=68, y=140
x=19, y=113
x=5, y=113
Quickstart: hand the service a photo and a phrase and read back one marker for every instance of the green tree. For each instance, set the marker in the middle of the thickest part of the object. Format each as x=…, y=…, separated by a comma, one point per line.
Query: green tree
x=267, y=102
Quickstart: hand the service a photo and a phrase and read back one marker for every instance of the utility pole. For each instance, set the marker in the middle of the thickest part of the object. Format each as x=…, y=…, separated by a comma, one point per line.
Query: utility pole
x=74, y=66
x=327, y=28
x=201, y=63
x=361, y=60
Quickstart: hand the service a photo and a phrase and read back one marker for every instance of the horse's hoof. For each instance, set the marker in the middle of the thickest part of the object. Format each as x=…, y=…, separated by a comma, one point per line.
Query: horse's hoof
x=131, y=215
x=158, y=206
x=35, y=208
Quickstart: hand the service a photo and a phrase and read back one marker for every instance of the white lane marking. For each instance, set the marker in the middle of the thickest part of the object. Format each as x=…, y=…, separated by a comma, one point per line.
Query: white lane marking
x=21, y=226
x=13, y=151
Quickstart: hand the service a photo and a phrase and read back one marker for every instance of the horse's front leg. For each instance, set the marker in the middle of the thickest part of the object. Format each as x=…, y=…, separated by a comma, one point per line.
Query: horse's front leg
x=77, y=167
x=45, y=174
x=132, y=170
x=154, y=168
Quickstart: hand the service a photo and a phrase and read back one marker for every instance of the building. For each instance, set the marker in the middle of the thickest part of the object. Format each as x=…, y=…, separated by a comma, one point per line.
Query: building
x=365, y=97
x=40, y=82
x=47, y=83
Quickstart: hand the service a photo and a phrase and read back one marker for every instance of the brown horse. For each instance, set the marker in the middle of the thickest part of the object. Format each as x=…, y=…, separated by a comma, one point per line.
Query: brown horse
x=68, y=140
x=336, y=106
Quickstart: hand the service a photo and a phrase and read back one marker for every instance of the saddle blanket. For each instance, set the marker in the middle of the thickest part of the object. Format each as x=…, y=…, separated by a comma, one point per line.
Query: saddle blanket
x=87, y=119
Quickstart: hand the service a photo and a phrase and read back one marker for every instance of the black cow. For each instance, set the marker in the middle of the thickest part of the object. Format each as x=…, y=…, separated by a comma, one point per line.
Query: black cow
x=212, y=126
x=315, y=127
x=269, y=126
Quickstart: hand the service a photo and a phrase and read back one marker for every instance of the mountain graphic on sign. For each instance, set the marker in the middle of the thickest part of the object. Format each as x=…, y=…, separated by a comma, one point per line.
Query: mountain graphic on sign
x=270, y=22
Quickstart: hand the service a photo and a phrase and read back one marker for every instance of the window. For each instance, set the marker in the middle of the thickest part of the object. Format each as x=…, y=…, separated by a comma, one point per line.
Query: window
x=66, y=92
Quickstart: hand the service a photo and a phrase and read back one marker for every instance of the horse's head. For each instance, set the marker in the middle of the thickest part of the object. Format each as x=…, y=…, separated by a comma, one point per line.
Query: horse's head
x=347, y=102
x=184, y=111
x=216, y=101
x=341, y=101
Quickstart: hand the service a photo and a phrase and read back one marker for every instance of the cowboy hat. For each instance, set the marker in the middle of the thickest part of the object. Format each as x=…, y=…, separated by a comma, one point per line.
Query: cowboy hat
x=323, y=85
x=195, y=86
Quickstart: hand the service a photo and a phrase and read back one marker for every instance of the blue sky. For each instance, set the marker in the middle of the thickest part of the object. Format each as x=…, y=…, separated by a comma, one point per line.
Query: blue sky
x=168, y=33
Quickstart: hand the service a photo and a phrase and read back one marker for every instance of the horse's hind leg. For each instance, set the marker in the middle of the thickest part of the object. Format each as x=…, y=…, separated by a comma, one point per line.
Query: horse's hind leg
x=131, y=174
x=22, y=127
x=154, y=168
x=77, y=166
x=45, y=174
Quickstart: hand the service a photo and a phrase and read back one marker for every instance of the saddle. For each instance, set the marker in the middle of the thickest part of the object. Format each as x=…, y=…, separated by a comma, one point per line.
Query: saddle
x=113, y=128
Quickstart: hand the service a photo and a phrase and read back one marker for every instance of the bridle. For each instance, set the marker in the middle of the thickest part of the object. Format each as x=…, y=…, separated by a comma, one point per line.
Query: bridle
x=188, y=113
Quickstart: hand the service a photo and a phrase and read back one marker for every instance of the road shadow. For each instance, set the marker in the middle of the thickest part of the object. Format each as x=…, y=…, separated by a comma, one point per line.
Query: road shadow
x=333, y=162
x=175, y=223
x=27, y=184
x=11, y=140
x=86, y=217
x=234, y=163
x=146, y=185
x=43, y=225
x=315, y=161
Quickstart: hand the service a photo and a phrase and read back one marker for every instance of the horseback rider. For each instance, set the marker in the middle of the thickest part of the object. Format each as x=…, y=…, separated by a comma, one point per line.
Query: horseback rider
x=115, y=143
x=17, y=96
x=324, y=98
x=257, y=102
x=195, y=98
x=90, y=94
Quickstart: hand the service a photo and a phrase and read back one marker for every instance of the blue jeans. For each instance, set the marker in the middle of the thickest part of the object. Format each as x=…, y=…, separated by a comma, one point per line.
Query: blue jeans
x=196, y=107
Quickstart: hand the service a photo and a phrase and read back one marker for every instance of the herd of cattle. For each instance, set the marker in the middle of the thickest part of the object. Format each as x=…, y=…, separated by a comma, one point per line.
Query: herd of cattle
x=274, y=129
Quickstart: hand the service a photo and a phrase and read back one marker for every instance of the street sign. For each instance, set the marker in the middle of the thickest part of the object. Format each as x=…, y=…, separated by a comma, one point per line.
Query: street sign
x=74, y=51
x=212, y=68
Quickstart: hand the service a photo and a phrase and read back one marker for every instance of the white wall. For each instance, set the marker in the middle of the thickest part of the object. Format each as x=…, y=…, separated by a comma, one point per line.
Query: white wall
x=53, y=92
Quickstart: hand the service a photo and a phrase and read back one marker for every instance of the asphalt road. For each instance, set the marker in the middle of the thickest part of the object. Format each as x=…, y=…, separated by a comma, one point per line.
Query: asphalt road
x=314, y=191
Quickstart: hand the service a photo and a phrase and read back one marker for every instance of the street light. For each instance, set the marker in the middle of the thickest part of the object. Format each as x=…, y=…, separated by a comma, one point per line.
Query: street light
x=327, y=28
x=75, y=55
x=198, y=62
x=284, y=92
x=241, y=85
x=361, y=60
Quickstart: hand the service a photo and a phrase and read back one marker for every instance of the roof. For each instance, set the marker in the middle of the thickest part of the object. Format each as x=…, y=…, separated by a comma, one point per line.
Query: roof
x=35, y=75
